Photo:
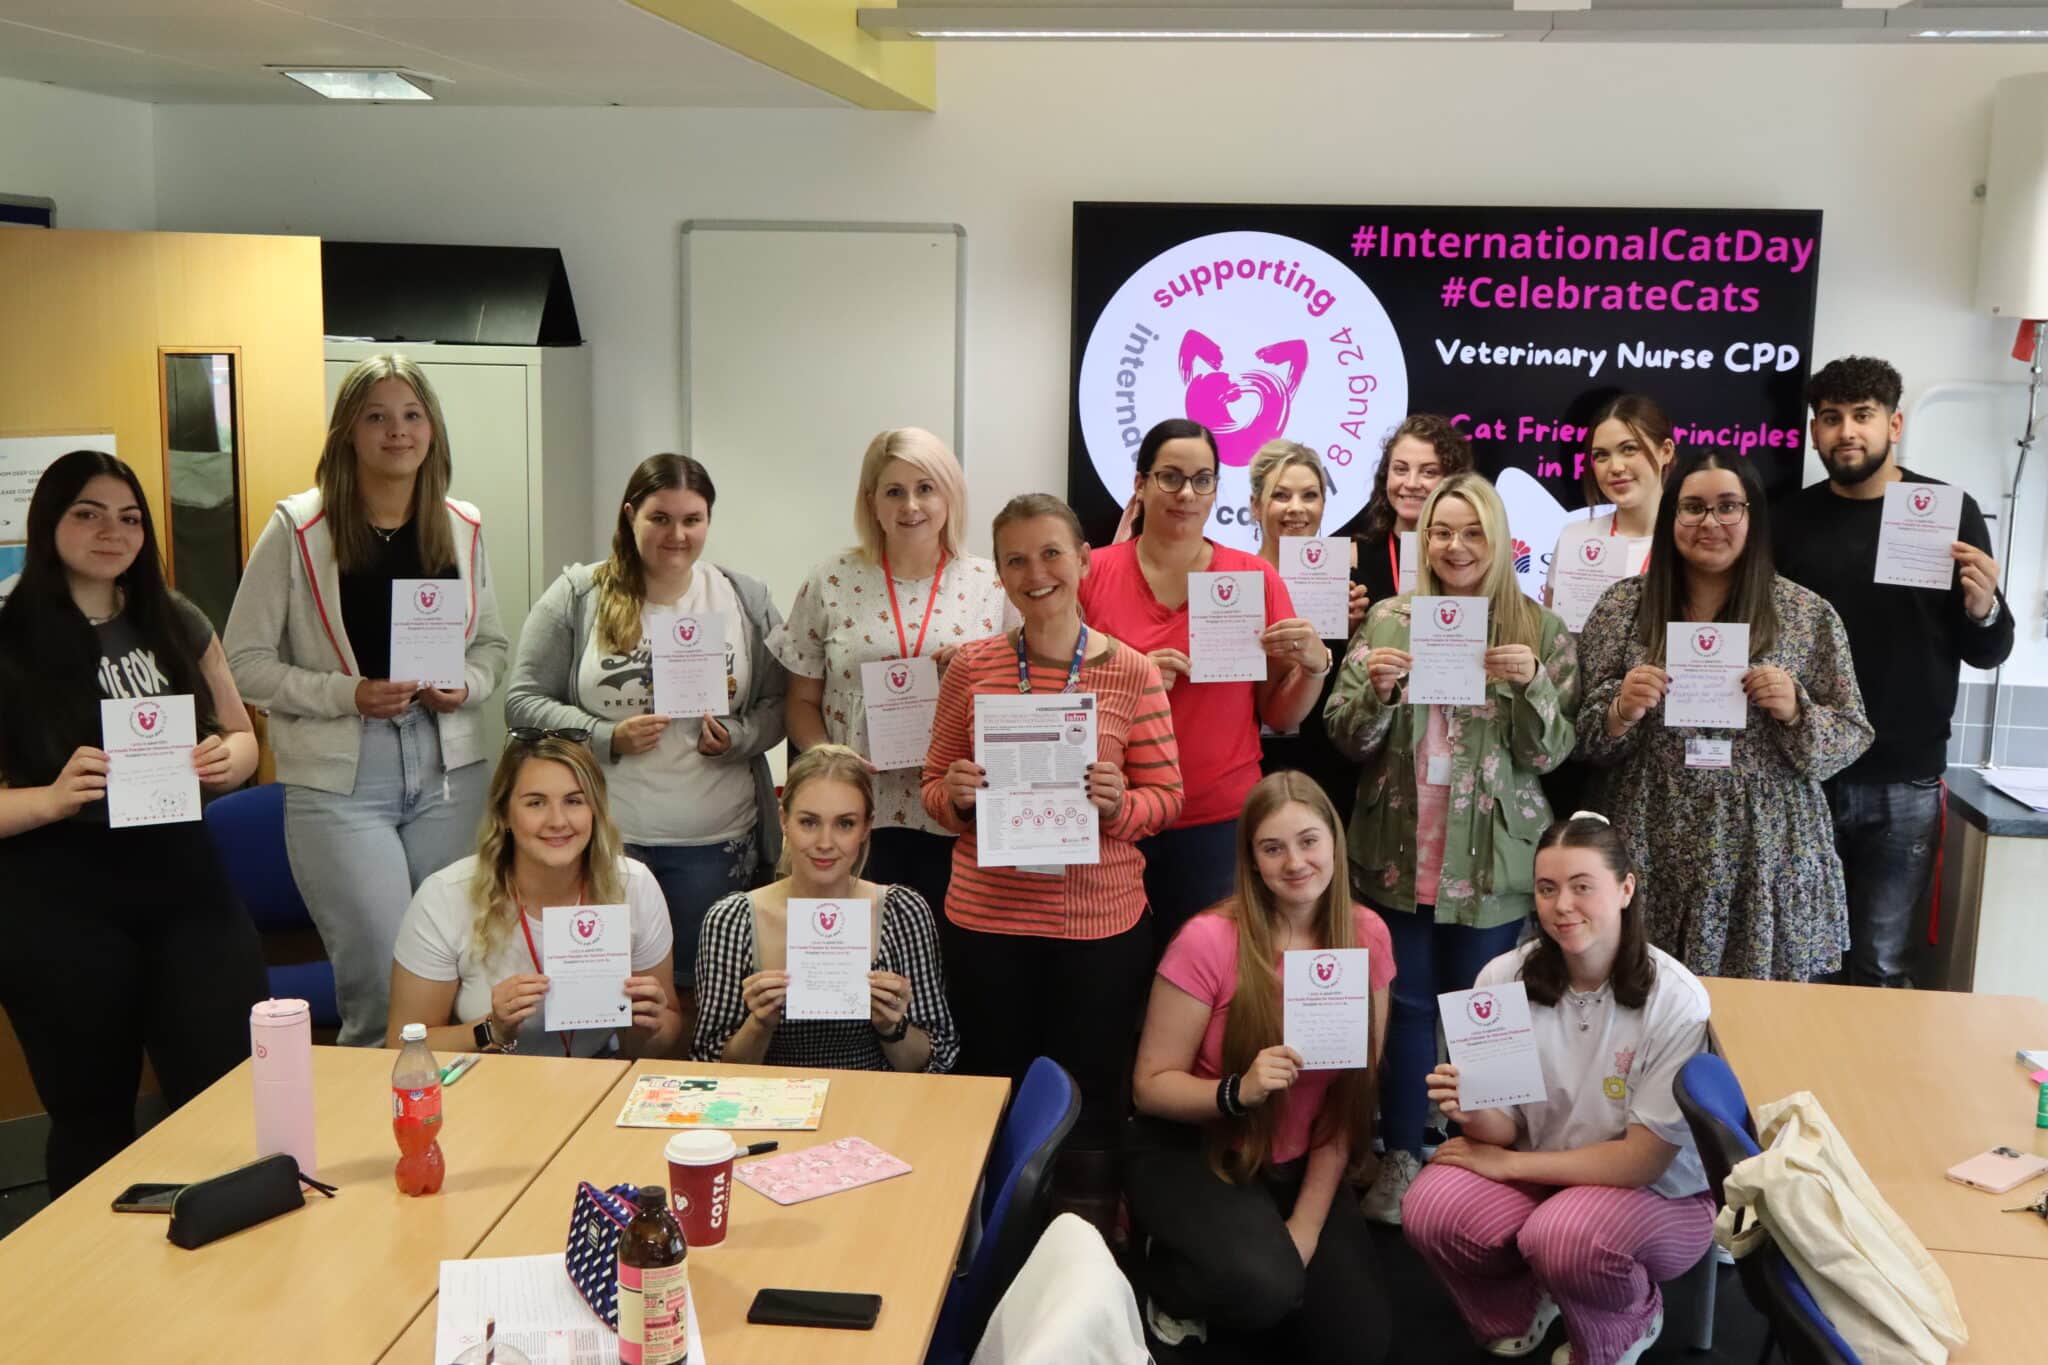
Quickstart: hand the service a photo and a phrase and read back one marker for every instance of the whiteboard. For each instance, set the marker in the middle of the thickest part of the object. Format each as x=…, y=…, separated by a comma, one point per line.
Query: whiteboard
x=800, y=342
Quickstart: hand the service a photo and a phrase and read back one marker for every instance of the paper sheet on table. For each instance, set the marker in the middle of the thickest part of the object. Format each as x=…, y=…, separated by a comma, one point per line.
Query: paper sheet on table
x=689, y=663
x=1326, y=1009
x=1447, y=639
x=150, y=777
x=1036, y=749
x=429, y=622
x=827, y=955
x=537, y=1309
x=587, y=953
x=1226, y=616
x=902, y=698
x=1411, y=546
x=1493, y=1045
x=1595, y=564
x=734, y=1102
x=1921, y=521
x=1706, y=663
x=1317, y=571
x=2028, y=786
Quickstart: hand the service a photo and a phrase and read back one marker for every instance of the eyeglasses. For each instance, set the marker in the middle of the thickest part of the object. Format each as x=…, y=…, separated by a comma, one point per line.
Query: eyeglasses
x=1471, y=537
x=527, y=734
x=1692, y=511
x=1172, y=481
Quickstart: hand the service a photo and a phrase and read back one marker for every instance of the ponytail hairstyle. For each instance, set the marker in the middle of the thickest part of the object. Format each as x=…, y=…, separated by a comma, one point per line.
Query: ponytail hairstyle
x=829, y=763
x=1645, y=419
x=355, y=544
x=1240, y=1148
x=1544, y=971
x=491, y=887
x=621, y=581
x=1172, y=429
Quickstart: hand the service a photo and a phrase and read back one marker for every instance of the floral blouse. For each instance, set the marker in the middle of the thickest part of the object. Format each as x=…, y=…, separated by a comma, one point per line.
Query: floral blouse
x=841, y=620
x=1499, y=750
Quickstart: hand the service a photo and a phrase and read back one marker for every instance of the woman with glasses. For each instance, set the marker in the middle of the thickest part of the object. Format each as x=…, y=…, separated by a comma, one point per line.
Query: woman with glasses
x=471, y=958
x=1450, y=804
x=693, y=795
x=1729, y=826
x=1138, y=592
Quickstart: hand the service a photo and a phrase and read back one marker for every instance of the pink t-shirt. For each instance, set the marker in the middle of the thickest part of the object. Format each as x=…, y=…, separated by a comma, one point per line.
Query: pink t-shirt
x=1202, y=960
x=1216, y=725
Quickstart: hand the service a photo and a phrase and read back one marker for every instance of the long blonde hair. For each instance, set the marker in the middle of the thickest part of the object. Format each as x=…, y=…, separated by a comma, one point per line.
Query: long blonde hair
x=1240, y=1148
x=491, y=889
x=621, y=581
x=928, y=455
x=355, y=544
x=1511, y=617
x=829, y=763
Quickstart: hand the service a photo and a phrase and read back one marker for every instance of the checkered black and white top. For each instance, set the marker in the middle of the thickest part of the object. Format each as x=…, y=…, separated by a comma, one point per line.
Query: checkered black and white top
x=909, y=946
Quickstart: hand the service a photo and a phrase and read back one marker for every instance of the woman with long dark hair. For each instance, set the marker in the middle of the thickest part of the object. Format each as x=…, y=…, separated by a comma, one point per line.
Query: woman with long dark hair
x=383, y=777
x=693, y=796
x=123, y=941
x=1583, y=1202
x=1730, y=828
x=1417, y=455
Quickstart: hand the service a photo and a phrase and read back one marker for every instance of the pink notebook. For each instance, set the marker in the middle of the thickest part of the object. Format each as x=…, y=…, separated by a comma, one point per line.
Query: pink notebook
x=827, y=1168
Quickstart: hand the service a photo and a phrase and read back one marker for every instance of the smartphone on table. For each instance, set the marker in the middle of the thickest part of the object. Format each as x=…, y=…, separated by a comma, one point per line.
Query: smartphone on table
x=815, y=1308
x=146, y=1198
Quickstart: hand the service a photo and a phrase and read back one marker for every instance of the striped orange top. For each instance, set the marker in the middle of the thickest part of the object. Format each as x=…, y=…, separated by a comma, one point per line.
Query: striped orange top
x=1134, y=729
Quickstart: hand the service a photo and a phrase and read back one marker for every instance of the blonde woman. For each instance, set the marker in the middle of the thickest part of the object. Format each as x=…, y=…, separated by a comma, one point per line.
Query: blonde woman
x=828, y=805
x=1238, y=1160
x=1450, y=803
x=471, y=961
x=383, y=777
x=906, y=590
x=693, y=796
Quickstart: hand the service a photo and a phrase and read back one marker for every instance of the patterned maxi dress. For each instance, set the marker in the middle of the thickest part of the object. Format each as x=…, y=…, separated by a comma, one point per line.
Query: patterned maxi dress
x=1739, y=872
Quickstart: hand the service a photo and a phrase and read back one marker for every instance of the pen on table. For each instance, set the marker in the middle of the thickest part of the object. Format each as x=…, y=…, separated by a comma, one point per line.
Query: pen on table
x=458, y=1068
x=757, y=1148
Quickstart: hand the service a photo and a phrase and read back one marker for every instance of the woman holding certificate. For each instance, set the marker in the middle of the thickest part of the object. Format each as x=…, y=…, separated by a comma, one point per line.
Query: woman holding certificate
x=1582, y=1202
x=1451, y=799
x=1719, y=696
x=125, y=936
x=1238, y=1162
x=872, y=629
x=1202, y=611
x=383, y=777
x=824, y=968
x=476, y=946
x=1626, y=459
x=689, y=777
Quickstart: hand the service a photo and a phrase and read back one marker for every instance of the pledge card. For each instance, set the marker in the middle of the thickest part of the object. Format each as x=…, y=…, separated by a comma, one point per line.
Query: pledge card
x=1493, y=1045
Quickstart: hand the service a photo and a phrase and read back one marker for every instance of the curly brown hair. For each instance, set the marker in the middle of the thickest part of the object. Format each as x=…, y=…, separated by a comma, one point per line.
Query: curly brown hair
x=1453, y=452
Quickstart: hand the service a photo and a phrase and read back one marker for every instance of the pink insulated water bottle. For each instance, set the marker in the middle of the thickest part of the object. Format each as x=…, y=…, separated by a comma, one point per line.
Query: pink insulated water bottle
x=281, y=1048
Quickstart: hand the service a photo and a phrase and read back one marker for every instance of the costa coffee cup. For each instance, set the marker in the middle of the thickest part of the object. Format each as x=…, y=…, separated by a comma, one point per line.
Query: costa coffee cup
x=700, y=1185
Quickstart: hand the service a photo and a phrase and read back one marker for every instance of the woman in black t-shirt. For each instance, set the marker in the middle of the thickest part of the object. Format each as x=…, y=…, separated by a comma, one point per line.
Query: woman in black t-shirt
x=119, y=941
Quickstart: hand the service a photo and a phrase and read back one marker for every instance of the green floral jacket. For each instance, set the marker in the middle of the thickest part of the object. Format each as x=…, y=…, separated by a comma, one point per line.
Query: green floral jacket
x=1497, y=810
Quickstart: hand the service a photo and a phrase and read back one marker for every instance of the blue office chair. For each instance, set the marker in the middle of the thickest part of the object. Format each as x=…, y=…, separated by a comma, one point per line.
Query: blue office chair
x=247, y=827
x=1714, y=1107
x=1016, y=1205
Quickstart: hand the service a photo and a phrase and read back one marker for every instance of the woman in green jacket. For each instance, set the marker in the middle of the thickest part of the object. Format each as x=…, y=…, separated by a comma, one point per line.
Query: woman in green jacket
x=1443, y=840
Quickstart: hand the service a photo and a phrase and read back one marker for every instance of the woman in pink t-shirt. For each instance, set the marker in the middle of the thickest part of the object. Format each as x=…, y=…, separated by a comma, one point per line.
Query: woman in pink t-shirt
x=1138, y=592
x=1239, y=1157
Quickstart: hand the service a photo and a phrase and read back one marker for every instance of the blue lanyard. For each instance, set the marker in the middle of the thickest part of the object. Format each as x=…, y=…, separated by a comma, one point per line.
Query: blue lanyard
x=1073, y=669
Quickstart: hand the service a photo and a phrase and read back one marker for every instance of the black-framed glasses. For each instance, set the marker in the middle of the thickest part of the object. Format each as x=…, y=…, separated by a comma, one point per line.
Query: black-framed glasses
x=1172, y=480
x=1692, y=511
x=528, y=734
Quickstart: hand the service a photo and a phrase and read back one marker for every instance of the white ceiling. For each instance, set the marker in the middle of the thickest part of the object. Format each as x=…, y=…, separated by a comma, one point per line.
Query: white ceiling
x=490, y=52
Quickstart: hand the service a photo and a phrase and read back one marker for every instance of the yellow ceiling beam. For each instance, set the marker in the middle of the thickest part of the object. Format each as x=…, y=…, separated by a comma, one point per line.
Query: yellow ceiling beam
x=819, y=42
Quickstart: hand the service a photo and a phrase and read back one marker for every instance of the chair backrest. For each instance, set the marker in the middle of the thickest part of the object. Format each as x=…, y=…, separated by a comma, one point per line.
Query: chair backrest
x=247, y=828
x=1016, y=1198
x=1716, y=1110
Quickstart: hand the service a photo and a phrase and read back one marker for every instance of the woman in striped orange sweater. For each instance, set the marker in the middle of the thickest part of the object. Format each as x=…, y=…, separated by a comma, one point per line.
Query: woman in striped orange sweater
x=1055, y=962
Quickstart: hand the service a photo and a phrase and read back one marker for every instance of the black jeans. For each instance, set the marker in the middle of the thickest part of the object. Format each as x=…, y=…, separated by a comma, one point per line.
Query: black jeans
x=120, y=942
x=1187, y=870
x=1885, y=833
x=1222, y=1253
x=914, y=858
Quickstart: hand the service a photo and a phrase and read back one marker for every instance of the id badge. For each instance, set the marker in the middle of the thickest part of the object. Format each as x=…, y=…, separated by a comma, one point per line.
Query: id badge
x=1437, y=772
x=1043, y=869
x=1709, y=753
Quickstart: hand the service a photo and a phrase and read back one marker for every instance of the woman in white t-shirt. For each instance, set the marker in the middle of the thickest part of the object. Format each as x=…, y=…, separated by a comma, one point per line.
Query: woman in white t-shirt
x=1583, y=1203
x=1627, y=458
x=472, y=950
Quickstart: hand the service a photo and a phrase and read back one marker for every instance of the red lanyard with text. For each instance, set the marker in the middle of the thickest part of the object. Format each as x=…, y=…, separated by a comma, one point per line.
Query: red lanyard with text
x=530, y=952
x=896, y=612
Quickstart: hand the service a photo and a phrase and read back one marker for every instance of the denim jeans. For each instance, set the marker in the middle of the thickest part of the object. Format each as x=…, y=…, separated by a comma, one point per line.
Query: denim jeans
x=692, y=877
x=1885, y=833
x=358, y=858
x=1429, y=958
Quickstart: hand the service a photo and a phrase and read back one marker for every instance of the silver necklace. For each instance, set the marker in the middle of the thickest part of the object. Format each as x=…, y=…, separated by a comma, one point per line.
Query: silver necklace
x=120, y=600
x=383, y=534
x=1585, y=1001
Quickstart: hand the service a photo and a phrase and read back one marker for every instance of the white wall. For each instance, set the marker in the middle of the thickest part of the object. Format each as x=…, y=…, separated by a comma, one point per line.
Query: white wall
x=1888, y=141
x=90, y=153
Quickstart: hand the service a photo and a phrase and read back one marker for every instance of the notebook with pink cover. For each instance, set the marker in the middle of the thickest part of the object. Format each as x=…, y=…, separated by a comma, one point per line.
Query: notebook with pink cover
x=828, y=1168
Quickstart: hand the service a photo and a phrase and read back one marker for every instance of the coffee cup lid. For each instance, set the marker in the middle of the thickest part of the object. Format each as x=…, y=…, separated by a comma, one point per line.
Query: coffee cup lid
x=701, y=1148
x=279, y=1011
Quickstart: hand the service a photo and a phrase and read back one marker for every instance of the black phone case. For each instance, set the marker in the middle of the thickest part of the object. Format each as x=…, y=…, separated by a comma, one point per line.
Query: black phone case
x=208, y=1210
x=795, y=1315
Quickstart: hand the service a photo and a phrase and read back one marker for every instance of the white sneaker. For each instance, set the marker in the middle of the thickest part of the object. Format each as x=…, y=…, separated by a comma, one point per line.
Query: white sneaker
x=1171, y=1330
x=1539, y=1327
x=1382, y=1203
x=1635, y=1351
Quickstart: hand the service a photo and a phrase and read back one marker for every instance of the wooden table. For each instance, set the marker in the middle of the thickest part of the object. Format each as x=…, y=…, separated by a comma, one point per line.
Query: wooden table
x=337, y=1280
x=2001, y=1301
x=897, y=1238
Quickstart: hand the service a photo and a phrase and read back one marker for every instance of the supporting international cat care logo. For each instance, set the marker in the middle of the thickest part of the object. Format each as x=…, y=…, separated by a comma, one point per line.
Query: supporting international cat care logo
x=1325, y=971
x=1223, y=590
x=897, y=678
x=1312, y=554
x=1921, y=502
x=587, y=926
x=427, y=596
x=1707, y=642
x=1448, y=614
x=1255, y=335
x=1482, y=1009
x=1593, y=551
x=146, y=719
x=830, y=920
x=686, y=630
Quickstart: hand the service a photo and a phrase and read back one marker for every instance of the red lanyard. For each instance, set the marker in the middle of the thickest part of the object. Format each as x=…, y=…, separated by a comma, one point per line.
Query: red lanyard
x=530, y=952
x=904, y=651
x=1394, y=559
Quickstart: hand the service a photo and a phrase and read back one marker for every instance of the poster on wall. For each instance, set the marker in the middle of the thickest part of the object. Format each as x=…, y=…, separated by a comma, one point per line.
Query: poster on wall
x=22, y=462
x=1327, y=325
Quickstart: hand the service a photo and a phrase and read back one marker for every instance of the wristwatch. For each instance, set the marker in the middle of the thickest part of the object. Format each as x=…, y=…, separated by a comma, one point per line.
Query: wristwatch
x=897, y=1034
x=487, y=1038
x=1991, y=617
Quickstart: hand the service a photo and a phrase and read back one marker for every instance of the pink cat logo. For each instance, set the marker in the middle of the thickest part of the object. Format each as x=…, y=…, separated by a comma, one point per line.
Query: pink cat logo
x=828, y=919
x=1922, y=501
x=686, y=630
x=1244, y=410
x=1325, y=971
x=428, y=596
x=899, y=679
x=145, y=718
x=1706, y=643
x=1312, y=554
x=1224, y=590
x=1448, y=614
x=1593, y=551
x=1482, y=1008
x=586, y=927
